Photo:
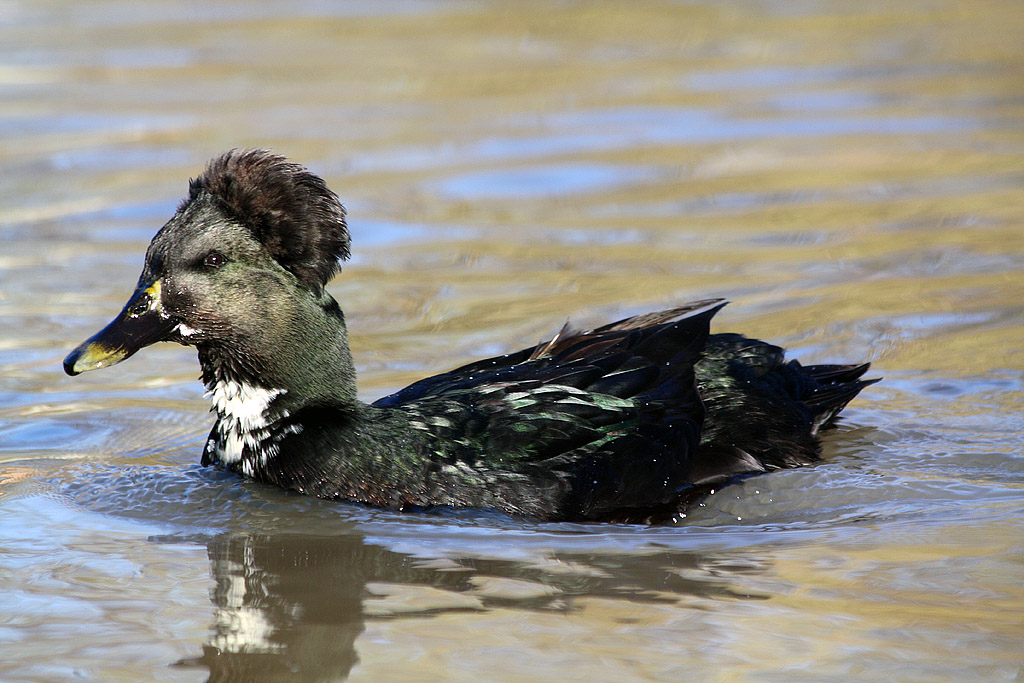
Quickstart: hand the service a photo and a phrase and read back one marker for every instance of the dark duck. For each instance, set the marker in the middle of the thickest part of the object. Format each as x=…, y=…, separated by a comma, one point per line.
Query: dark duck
x=629, y=422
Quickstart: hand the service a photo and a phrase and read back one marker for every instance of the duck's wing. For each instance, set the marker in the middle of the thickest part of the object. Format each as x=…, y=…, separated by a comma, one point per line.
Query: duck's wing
x=587, y=426
x=629, y=334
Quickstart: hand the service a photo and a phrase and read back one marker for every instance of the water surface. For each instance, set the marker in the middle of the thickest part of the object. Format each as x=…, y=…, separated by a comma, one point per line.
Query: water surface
x=851, y=177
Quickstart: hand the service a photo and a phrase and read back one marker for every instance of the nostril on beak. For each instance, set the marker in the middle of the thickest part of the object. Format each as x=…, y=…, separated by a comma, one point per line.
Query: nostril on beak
x=139, y=308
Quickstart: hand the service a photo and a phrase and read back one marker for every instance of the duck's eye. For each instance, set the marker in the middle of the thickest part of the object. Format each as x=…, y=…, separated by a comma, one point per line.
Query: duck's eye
x=214, y=260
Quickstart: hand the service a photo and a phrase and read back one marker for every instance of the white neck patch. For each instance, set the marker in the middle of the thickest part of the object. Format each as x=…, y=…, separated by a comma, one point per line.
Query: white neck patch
x=243, y=404
x=242, y=409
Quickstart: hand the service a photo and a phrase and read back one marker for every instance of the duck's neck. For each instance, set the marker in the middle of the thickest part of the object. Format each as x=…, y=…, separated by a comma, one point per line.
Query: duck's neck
x=279, y=368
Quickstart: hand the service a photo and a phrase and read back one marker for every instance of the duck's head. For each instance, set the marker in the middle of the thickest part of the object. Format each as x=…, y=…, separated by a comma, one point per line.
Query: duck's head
x=239, y=270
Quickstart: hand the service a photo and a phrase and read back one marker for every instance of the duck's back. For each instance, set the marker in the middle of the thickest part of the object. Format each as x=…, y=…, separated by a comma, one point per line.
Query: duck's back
x=601, y=424
x=631, y=421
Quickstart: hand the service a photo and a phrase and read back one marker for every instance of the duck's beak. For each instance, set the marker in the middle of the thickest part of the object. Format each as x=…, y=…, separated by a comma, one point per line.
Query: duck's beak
x=142, y=322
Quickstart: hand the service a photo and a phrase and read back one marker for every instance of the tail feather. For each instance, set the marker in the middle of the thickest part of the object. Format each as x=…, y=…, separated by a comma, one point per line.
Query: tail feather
x=828, y=401
x=837, y=373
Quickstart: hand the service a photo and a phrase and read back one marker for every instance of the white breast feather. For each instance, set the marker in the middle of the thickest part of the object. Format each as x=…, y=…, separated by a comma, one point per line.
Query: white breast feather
x=242, y=409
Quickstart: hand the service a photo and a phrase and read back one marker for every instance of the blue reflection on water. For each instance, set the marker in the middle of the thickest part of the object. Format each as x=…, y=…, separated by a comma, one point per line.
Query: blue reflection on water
x=599, y=130
x=538, y=181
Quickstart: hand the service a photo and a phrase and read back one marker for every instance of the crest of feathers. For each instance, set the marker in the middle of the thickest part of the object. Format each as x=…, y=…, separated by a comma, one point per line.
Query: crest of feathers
x=290, y=210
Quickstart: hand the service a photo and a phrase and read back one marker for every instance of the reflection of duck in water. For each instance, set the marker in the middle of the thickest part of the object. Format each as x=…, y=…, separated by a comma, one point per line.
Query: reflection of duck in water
x=291, y=605
x=630, y=422
x=281, y=598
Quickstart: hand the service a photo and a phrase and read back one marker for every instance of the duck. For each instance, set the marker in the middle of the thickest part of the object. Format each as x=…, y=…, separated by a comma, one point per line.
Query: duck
x=631, y=422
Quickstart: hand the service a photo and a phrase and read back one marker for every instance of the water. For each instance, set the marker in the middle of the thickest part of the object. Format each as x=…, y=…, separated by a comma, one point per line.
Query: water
x=850, y=176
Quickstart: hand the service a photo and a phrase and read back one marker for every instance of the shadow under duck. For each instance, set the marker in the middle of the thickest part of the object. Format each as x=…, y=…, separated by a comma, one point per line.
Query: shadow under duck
x=630, y=422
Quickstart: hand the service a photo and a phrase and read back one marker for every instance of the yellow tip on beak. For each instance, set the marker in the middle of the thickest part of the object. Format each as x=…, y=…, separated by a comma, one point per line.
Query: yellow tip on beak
x=141, y=322
x=93, y=356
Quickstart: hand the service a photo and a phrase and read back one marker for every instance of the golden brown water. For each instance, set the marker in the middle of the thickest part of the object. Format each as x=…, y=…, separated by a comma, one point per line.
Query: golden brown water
x=849, y=175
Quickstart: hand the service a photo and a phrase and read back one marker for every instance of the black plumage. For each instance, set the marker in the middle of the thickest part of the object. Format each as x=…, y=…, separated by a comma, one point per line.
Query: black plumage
x=631, y=421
